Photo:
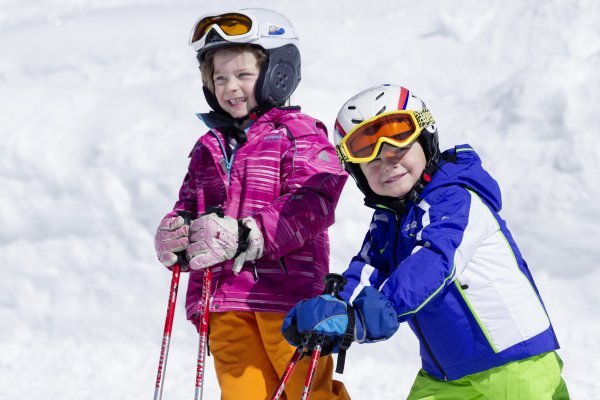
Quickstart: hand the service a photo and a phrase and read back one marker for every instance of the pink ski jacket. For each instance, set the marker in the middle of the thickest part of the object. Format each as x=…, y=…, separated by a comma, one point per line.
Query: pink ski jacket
x=288, y=177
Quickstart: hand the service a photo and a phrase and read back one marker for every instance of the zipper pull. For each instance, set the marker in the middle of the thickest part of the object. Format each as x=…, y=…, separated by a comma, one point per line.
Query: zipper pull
x=224, y=167
x=282, y=265
x=254, y=271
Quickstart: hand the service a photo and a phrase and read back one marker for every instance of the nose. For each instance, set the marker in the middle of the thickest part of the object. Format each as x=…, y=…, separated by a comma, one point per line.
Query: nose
x=231, y=85
x=390, y=155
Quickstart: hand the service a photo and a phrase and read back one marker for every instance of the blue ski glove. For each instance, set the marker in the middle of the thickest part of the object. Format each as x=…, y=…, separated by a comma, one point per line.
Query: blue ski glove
x=323, y=315
x=377, y=314
x=375, y=319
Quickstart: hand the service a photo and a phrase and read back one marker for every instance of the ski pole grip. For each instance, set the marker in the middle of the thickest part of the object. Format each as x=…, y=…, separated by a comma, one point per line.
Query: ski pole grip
x=181, y=255
x=214, y=210
x=334, y=283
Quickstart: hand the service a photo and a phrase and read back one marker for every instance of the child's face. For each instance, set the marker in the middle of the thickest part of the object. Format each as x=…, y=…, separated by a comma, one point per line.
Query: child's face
x=395, y=170
x=235, y=75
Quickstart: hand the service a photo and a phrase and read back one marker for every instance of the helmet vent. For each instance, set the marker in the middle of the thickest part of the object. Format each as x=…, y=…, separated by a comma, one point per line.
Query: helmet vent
x=380, y=111
x=351, y=107
x=379, y=96
x=356, y=121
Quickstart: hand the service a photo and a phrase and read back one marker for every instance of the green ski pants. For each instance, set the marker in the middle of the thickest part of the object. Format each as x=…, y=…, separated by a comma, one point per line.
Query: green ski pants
x=534, y=378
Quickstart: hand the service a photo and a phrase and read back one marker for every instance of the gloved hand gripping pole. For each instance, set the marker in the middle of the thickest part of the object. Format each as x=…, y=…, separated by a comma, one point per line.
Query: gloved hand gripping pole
x=333, y=284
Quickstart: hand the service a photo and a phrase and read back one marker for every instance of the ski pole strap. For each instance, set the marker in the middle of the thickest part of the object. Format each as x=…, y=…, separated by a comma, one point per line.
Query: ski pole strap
x=346, y=341
x=182, y=259
x=243, y=234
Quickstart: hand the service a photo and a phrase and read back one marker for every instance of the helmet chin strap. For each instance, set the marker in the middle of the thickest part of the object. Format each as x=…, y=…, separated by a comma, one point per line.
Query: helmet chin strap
x=256, y=112
x=432, y=154
x=414, y=195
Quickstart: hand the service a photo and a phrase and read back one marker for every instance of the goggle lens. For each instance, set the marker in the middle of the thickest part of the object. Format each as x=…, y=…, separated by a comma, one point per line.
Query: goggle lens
x=400, y=128
x=232, y=24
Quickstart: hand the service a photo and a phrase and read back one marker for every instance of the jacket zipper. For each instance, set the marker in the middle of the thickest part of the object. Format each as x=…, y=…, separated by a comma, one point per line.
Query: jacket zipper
x=228, y=160
x=228, y=163
x=394, y=252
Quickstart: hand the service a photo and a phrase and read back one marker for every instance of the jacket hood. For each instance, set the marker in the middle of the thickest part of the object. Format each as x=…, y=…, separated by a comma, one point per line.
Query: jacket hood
x=462, y=166
x=232, y=127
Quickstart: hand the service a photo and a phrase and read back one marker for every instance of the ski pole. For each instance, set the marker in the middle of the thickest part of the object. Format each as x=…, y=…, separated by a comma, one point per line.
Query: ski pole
x=203, y=331
x=164, y=350
x=203, y=323
x=312, y=368
x=298, y=354
x=334, y=283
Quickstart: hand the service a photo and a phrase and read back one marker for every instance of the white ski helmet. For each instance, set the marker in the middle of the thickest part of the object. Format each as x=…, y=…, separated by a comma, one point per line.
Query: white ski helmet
x=268, y=29
x=379, y=101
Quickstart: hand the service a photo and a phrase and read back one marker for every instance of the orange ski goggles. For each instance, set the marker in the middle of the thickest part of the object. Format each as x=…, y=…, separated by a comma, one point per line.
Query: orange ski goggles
x=397, y=128
x=234, y=27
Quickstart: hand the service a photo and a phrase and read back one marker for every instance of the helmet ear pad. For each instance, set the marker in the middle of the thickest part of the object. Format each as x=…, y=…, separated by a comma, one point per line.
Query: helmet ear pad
x=430, y=143
x=279, y=75
x=361, y=180
x=212, y=101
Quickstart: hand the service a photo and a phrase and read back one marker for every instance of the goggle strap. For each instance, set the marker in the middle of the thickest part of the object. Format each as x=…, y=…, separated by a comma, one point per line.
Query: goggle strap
x=424, y=118
x=341, y=153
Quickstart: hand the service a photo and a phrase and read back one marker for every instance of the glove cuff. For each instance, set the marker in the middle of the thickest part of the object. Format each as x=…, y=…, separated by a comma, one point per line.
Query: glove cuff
x=360, y=333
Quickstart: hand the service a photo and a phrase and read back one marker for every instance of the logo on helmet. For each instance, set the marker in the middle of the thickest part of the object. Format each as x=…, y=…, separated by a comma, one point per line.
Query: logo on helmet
x=276, y=30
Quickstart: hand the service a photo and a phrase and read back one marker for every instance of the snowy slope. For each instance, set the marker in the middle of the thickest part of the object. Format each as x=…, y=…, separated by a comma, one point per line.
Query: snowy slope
x=97, y=103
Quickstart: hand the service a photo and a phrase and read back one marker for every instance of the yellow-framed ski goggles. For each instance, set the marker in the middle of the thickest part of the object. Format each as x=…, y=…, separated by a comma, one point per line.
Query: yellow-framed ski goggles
x=398, y=128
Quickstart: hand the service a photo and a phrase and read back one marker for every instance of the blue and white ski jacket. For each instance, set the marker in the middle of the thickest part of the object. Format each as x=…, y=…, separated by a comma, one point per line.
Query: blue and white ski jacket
x=451, y=269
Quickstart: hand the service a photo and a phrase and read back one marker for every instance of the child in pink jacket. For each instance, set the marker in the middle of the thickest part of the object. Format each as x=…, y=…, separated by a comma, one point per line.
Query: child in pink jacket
x=269, y=169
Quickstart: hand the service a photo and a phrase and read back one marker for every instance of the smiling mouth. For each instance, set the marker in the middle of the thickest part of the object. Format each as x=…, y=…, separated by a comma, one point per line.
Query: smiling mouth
x=236, y=101
x=393, y=179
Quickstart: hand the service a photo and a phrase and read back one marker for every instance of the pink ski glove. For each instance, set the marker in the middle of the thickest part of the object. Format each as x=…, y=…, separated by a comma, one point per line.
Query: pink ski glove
x=217, y=239
x=171, y=237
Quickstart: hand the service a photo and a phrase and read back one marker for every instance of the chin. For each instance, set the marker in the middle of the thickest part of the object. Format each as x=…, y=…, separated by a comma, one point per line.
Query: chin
x=396, y=193
x=391, y=191
x=238, y=113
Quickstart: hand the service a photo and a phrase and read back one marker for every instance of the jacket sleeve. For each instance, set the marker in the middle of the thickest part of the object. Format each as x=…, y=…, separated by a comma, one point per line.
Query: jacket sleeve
x=368, y=270
x=312, y=181
x=452, y=229
x=368, y=267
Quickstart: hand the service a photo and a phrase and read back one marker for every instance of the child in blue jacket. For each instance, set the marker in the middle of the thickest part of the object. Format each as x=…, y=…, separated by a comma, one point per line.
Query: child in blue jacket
x=438, y=256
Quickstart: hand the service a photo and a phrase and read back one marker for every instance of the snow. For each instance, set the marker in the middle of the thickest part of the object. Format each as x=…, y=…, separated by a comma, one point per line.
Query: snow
x=97, y=119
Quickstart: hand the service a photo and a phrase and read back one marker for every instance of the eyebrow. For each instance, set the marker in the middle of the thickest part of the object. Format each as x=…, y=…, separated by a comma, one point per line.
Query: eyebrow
x=237, y=70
